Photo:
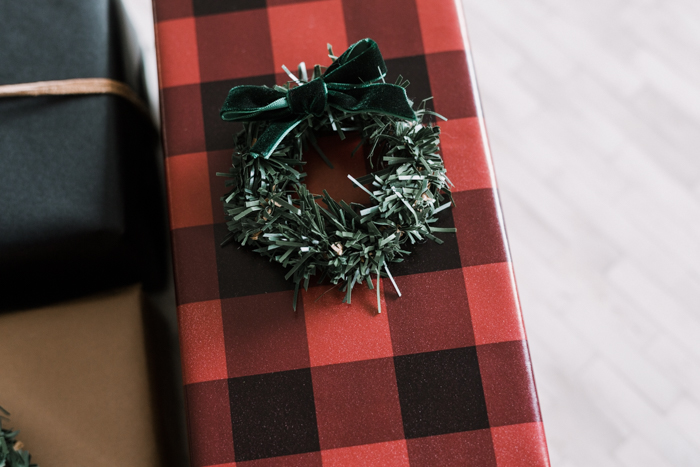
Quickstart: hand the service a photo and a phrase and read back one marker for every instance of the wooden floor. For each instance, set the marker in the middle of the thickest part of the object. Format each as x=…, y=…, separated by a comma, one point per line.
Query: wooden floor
x=593, y=109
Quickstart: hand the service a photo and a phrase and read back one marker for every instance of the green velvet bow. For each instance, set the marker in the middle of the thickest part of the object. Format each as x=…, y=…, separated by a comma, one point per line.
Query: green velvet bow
x=350, y=84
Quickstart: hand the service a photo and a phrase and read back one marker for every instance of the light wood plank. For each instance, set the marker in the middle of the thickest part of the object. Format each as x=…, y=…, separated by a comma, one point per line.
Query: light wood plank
x=593, y=111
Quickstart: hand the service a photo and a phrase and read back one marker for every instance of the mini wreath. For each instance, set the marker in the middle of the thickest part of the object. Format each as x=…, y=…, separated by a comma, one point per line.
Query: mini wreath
x=12, y=453
x=270, y=207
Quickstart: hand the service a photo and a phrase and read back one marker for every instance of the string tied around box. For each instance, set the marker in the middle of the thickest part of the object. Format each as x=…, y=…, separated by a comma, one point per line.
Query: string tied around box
x=74, y=87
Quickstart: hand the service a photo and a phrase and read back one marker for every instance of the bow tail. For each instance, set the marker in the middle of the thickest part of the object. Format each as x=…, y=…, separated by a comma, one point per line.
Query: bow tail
x=272, y=137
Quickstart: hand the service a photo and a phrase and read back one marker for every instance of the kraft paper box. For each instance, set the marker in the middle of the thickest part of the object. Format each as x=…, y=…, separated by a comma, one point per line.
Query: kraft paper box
x=443, y=375
x=75, y=379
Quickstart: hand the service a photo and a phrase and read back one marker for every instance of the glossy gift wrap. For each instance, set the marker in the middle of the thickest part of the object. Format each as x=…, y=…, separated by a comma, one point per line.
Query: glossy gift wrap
x=442, y=376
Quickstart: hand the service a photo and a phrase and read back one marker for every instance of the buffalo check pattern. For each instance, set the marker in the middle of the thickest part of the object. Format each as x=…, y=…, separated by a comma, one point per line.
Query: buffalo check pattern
x=443, y=375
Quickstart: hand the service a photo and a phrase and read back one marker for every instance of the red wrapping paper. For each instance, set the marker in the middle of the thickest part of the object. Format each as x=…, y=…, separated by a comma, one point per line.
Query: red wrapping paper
x=443, y=375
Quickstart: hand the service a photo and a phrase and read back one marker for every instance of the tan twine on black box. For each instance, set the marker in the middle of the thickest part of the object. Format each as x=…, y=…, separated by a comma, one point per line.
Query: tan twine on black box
x=74, y=87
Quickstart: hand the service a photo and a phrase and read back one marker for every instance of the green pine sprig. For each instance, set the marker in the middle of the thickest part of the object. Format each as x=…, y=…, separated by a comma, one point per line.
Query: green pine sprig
x=11, y=452
x=270, y=209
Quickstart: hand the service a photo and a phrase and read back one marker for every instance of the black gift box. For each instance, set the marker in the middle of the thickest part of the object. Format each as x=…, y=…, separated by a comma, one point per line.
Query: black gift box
x=80, y=195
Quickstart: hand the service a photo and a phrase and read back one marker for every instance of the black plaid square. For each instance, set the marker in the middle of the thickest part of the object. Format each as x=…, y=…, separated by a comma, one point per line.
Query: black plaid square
x=415, y=70
x=212, y=7
x=241, y=271
x=441, y=392
x=273, y=415
x=429, y=256
x=219, y=133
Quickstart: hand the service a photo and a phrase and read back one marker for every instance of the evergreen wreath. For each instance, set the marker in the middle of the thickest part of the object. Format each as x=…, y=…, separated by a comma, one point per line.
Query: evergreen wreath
x=270, y=208
x=12, y=453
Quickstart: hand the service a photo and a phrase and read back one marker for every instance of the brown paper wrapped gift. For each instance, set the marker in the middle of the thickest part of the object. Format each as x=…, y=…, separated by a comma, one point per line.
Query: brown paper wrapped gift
x=74, y=376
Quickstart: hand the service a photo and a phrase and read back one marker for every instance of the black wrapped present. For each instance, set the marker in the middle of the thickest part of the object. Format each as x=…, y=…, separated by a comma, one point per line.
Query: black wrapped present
x=80, y=196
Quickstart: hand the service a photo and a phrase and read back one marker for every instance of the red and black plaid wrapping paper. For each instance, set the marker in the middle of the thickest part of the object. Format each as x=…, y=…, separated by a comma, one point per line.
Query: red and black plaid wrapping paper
x=443, y=376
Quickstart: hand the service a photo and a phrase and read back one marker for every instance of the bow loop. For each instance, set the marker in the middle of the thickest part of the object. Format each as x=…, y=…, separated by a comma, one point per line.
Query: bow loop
x=350, y=85
x=361, y=63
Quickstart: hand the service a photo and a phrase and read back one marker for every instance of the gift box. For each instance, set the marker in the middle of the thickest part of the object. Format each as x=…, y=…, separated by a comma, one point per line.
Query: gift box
x=81, y=195
x=75, y=377
x=442, y=376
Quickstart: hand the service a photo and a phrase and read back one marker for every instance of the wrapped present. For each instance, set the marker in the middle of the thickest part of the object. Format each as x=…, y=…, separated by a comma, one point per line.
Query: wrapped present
x=79, y=182
x=442, y=376
x=75, y=378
